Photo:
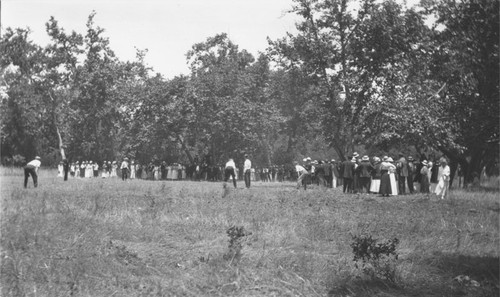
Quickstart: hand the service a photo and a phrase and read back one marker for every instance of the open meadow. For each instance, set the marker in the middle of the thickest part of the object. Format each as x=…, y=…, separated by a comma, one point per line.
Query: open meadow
x=105, y=237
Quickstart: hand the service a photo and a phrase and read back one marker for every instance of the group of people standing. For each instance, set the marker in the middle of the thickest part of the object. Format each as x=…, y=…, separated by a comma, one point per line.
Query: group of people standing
x=384, y=176
x=126, y=169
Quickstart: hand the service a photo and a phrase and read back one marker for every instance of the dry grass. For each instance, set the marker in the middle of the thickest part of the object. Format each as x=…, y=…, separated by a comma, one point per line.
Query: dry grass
x=141, y=238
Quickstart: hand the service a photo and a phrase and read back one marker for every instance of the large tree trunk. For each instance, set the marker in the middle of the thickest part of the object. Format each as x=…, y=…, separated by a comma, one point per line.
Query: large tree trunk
x=185, y=148
x=292, y=139
x=471, y=166
x=61, y=146
x=340, y=152
x=453, y=170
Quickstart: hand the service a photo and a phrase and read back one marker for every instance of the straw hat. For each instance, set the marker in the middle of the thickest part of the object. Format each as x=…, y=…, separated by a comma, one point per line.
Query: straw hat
x=365, y=158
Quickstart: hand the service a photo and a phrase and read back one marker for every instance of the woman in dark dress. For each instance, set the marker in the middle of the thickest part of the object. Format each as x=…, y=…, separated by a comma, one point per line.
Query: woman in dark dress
x=424, y=178
x=385, y=180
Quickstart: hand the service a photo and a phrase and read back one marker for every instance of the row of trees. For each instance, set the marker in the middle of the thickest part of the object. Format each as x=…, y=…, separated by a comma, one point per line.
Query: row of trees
x=357, y=76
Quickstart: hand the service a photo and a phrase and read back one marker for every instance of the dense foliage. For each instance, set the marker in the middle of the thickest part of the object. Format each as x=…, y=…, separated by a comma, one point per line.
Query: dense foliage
x=358, y=75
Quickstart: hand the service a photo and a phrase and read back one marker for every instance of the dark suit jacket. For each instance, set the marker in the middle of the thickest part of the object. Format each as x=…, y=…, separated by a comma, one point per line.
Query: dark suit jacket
x=364, y=169
x=347, y=169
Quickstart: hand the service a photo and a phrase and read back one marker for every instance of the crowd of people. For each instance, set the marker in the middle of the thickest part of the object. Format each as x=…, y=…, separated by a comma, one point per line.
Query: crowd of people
x=384, y=176
x=175, y=171
x=126, y=169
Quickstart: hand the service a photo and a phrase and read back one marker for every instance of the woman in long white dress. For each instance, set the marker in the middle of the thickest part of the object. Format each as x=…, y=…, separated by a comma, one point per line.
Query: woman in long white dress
x=114, y=166
x=443, y=179
x=156, y=173
x=132, y=170
x=183, y=172
x=175, y=171
x=72, y=170
x=376, y=175
x=60, y=169
x=429, y=175
x=89, y=172
x=392, y=177
x=77, y=169
x=104, y=173
x=169, y=172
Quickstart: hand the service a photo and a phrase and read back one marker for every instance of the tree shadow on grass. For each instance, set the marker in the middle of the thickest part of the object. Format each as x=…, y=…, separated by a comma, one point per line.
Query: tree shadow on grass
x=367, y=287
x=463, y=275
x=483, y=189
x=485, y=270
x=441, y=282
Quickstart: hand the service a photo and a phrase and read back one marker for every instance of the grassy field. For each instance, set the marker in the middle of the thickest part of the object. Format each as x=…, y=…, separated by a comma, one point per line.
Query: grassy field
x=101, y=237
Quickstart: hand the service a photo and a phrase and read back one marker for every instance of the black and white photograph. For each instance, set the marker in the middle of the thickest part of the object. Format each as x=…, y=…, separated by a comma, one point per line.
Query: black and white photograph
x=338, y=148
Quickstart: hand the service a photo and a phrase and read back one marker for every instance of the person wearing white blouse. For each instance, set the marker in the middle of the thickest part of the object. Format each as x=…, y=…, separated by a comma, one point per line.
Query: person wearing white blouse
x=230, y=171
x=32, y=169
x=443, y=179
x=247, y=170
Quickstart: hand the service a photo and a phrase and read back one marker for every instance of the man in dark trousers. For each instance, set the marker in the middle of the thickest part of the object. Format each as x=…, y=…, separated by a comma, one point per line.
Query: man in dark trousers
x=32, y=169
x=65, y=168
x=163, y=170
x=402, y=171
x=328, y=173
x=364, y=172
x=229, y=171
x=411, y=174
x=320, y=172
x=347, y=171
x=247, y=169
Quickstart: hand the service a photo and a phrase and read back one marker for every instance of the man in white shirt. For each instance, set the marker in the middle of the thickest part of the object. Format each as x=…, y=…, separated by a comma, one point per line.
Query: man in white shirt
x=247, y=170
x=229, y=171
x=32, y=169
x=124, y=168
x=301, y=173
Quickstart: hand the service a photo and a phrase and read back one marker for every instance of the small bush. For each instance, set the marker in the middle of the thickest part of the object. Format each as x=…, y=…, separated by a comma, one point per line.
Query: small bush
x=236, y=235
x=377, y=259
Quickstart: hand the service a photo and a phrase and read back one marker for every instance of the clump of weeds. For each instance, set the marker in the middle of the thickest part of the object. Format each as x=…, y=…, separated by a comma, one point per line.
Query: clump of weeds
x=376, y=258
x=236, y=237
